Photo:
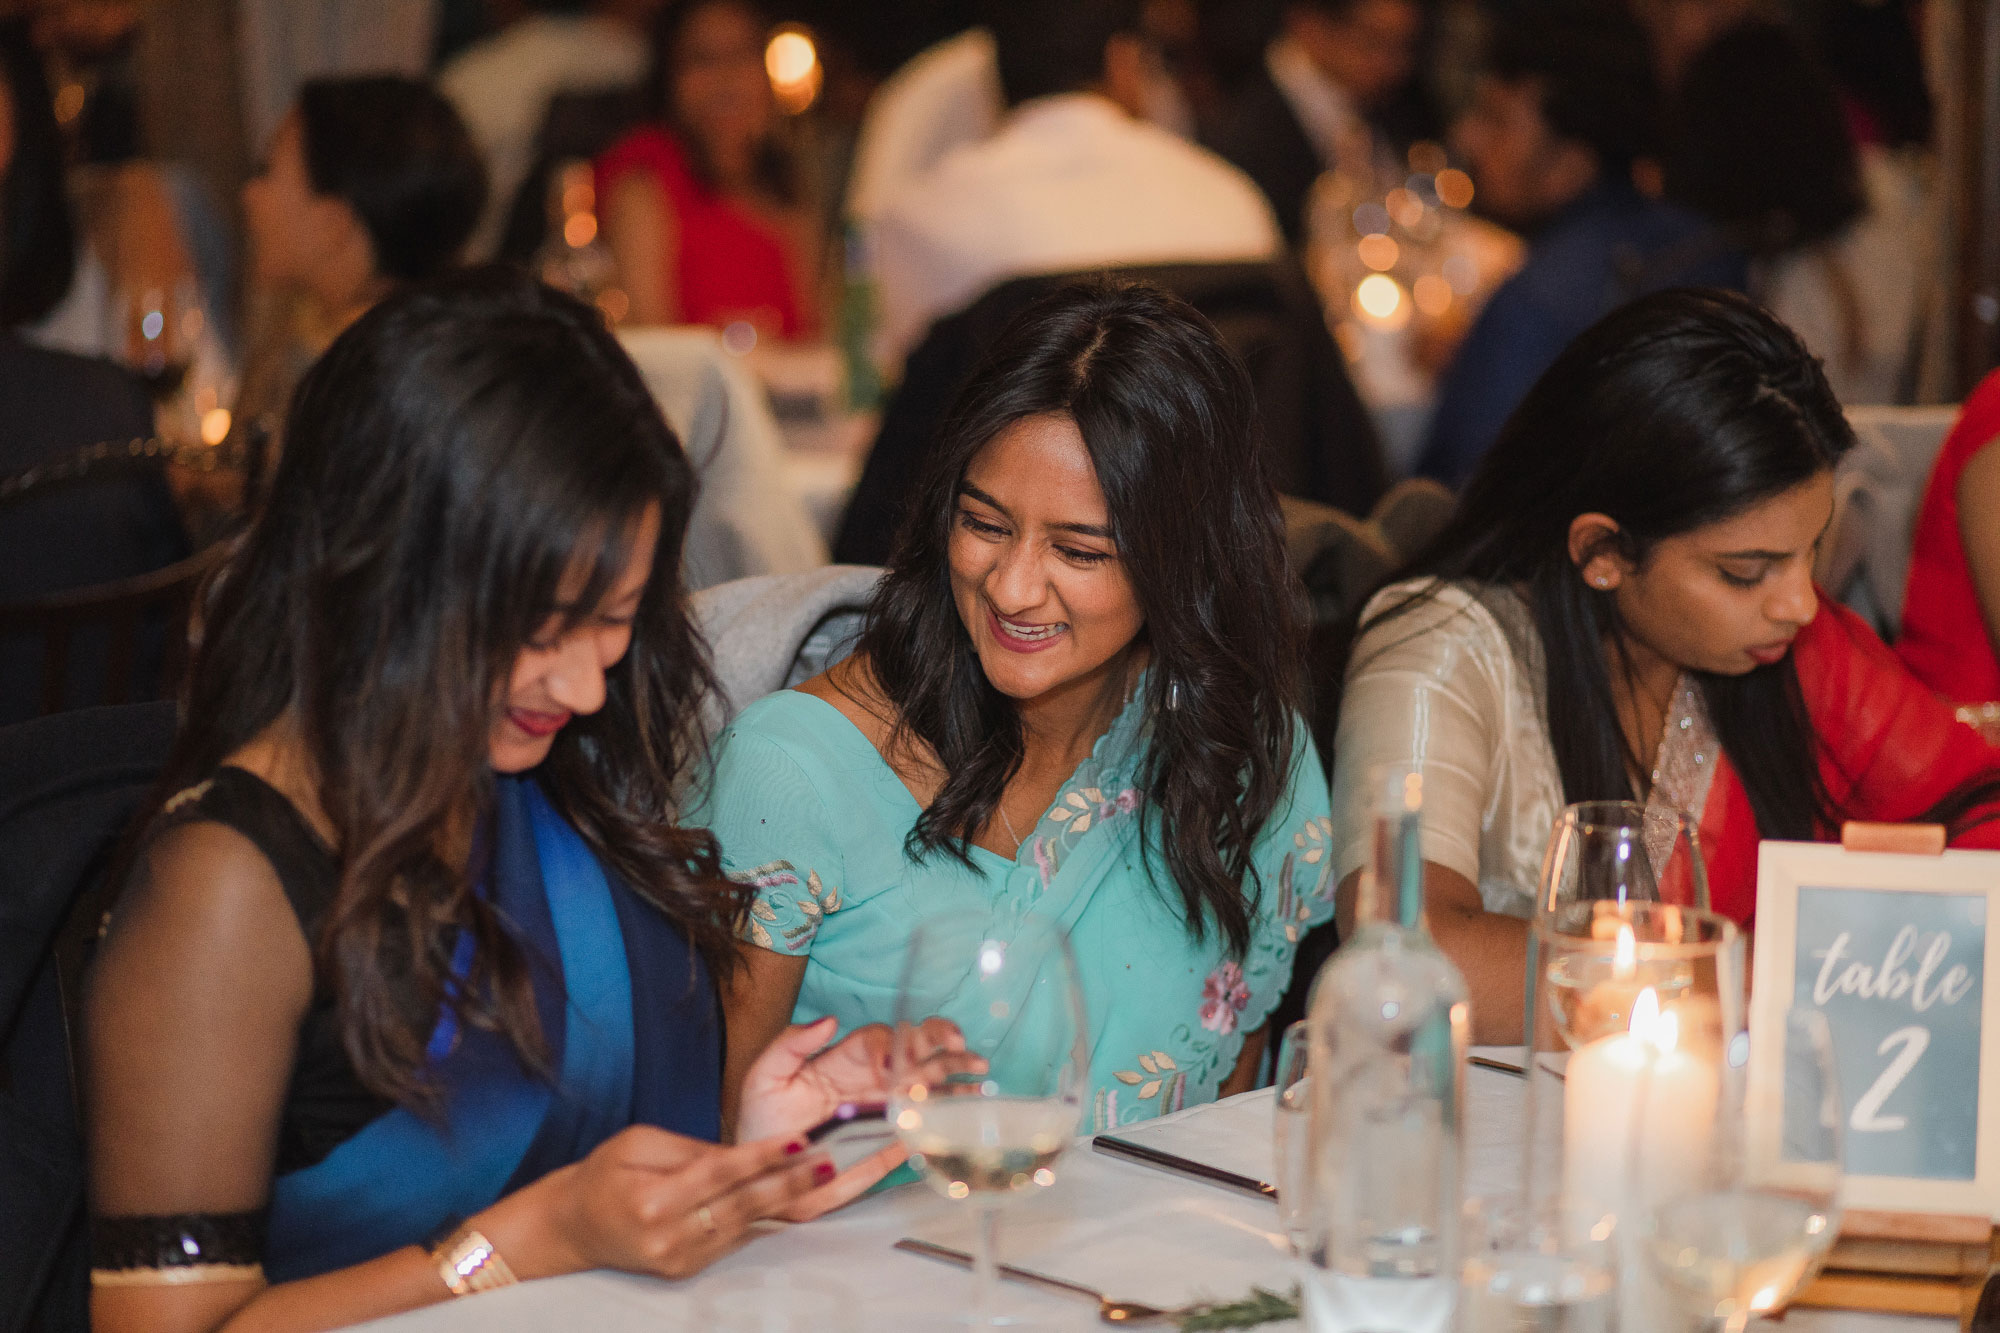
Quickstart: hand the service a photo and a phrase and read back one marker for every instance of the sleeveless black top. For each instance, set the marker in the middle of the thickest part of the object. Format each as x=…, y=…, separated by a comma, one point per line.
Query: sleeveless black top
x=326, y=1102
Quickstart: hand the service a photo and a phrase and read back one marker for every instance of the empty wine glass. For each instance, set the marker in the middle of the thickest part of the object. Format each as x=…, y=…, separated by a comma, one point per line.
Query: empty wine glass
x=1528, y=1271
x=989, y=1137
x=1741, y=1227
x=1291, y=1134
x=1611, y=865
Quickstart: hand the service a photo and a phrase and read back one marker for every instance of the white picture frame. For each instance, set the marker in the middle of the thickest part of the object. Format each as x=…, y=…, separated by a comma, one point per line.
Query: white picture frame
x=1867, y=969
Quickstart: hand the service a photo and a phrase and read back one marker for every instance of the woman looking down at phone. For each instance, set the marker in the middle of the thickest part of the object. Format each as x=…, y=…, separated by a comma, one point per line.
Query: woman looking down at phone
x=1075, y=701
x=410, y=990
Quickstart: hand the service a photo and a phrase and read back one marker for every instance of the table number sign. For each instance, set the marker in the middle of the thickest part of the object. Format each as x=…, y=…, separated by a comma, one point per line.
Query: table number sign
x=1899, y=951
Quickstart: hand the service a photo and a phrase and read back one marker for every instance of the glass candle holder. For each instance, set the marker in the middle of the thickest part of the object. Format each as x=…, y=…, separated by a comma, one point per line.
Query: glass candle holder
x=1635, y=1011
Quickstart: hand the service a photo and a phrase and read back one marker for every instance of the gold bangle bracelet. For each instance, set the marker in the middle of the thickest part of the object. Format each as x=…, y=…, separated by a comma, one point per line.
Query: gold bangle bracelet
x=468, y=1262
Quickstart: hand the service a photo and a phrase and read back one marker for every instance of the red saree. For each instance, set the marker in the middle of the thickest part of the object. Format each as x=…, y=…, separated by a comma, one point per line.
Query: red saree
x=1889, y=750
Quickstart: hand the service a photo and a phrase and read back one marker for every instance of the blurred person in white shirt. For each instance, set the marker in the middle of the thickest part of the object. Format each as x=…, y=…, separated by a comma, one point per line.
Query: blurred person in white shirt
x=1071, y=179
x=502, y=86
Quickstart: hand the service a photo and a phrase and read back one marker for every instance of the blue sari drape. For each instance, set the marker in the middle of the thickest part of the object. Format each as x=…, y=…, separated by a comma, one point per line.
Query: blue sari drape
x=633, y=1035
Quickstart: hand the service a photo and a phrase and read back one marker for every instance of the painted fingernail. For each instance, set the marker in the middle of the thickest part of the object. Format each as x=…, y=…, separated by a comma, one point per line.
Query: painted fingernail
x=795, y=1147
x=823, y=1173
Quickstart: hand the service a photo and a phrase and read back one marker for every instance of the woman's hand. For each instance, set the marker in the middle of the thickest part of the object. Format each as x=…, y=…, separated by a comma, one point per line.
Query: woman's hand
x=648, y=1201
x=799, y=1081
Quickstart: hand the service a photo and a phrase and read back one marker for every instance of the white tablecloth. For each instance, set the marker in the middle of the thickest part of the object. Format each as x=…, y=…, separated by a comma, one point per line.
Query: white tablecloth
x=1133, y=1232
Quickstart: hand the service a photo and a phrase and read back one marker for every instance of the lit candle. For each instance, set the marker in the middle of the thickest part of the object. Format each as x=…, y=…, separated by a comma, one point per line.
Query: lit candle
x=1593, y=996
x=1638, y=1113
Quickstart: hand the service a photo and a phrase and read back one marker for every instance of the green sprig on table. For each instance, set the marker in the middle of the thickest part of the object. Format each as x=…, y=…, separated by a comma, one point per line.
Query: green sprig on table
x=1260, y=1307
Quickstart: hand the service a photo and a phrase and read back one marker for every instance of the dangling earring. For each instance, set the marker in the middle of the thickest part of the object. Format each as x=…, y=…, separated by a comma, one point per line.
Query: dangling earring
x=1173, y=695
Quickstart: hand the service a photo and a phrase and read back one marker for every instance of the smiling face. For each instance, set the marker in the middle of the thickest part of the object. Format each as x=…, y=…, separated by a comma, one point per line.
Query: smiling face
x=560, y=672
x=1730, y=596
x=1035, y=573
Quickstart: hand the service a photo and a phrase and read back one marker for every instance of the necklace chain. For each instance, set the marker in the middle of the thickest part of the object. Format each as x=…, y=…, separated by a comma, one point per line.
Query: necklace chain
x=1008, y=824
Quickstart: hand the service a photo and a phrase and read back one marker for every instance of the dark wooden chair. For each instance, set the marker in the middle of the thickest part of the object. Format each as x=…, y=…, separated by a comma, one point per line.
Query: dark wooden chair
x=123, y=613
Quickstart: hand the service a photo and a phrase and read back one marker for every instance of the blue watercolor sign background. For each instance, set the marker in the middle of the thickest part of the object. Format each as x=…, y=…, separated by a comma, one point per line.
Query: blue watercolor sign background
x=1899, y=977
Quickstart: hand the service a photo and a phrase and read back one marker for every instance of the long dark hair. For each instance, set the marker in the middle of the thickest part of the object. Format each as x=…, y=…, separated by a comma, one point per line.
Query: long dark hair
x=37, y=234
x=1673, y=412
x=1167, y=415
x=454, y=453
x=398, y=153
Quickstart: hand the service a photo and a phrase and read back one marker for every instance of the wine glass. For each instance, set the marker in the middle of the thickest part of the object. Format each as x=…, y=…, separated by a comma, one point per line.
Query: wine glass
x=1612, y=866
x=1743, y=1225
x=990, y=1137
x=159, y=326
x=1291, y=1134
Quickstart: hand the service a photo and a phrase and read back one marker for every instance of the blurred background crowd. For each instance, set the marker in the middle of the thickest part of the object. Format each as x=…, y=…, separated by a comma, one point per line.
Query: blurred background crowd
x=1399, y=211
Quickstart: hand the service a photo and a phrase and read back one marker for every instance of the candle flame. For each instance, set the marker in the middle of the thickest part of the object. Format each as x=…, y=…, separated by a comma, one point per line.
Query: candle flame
x=1660, y=1030
x=1624, y=955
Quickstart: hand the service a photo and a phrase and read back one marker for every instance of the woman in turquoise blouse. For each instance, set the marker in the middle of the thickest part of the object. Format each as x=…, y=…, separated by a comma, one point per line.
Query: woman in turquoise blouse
x=1075, y=698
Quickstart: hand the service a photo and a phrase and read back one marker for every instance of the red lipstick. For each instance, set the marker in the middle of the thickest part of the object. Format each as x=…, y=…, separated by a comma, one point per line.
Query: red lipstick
x=536, y=724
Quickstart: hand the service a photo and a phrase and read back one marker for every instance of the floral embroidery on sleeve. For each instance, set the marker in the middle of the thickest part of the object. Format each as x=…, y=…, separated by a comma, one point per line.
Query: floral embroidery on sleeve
x=1074, y=814
x=1224, y=996
x=779, y=907
x=1305, y=879
x=1158, y=1079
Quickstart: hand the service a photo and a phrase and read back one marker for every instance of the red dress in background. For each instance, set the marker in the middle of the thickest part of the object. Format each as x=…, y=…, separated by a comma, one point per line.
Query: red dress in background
x=1889, y=750
x=731, y=265
x=1944, y=637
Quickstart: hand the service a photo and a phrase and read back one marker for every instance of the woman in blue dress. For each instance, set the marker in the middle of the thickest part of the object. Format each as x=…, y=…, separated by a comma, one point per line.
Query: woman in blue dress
x=410, y=992
x=1075, y=699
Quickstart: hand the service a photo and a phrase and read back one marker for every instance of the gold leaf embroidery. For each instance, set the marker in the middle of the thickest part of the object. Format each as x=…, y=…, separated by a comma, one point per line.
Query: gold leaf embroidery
x=1150, y=1090
x=1312, y=857
x=1126, y=1076
x=1165, y=1061
x=813, y=886
x=1061, y=813
x=1079, y=824
x=1146, y=1063
x=832, y=903
x=1095, y=795
x=762, y=910
x=809, y=907
x=760, y=936
x=1077, y=801
x=1292, y=934
x=1298, y=840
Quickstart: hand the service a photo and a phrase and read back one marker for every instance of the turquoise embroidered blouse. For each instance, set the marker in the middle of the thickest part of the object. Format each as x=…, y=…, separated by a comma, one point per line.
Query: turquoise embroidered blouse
x=808, y=812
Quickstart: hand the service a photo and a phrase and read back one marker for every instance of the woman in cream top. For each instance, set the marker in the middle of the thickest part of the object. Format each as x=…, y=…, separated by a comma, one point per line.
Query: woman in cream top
x=1452, y=687
x=1623, y=608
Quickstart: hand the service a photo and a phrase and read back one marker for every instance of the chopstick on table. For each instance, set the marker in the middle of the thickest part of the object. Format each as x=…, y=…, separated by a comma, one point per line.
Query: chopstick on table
x=1113, y=1146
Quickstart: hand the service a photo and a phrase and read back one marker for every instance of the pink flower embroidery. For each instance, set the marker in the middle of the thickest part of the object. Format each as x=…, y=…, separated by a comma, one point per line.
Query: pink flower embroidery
x=1223, y=996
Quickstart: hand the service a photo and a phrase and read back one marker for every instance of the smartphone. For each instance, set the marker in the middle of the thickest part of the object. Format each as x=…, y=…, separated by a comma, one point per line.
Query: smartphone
x=856, y=1130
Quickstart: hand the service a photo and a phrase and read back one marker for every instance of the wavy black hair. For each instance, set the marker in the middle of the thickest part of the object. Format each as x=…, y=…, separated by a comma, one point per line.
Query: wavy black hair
x=1675, y=411
x=455, y=452
x=1167, y=415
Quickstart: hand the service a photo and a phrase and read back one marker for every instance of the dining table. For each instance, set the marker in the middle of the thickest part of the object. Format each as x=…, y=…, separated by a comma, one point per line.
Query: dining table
x=1131, y=1231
